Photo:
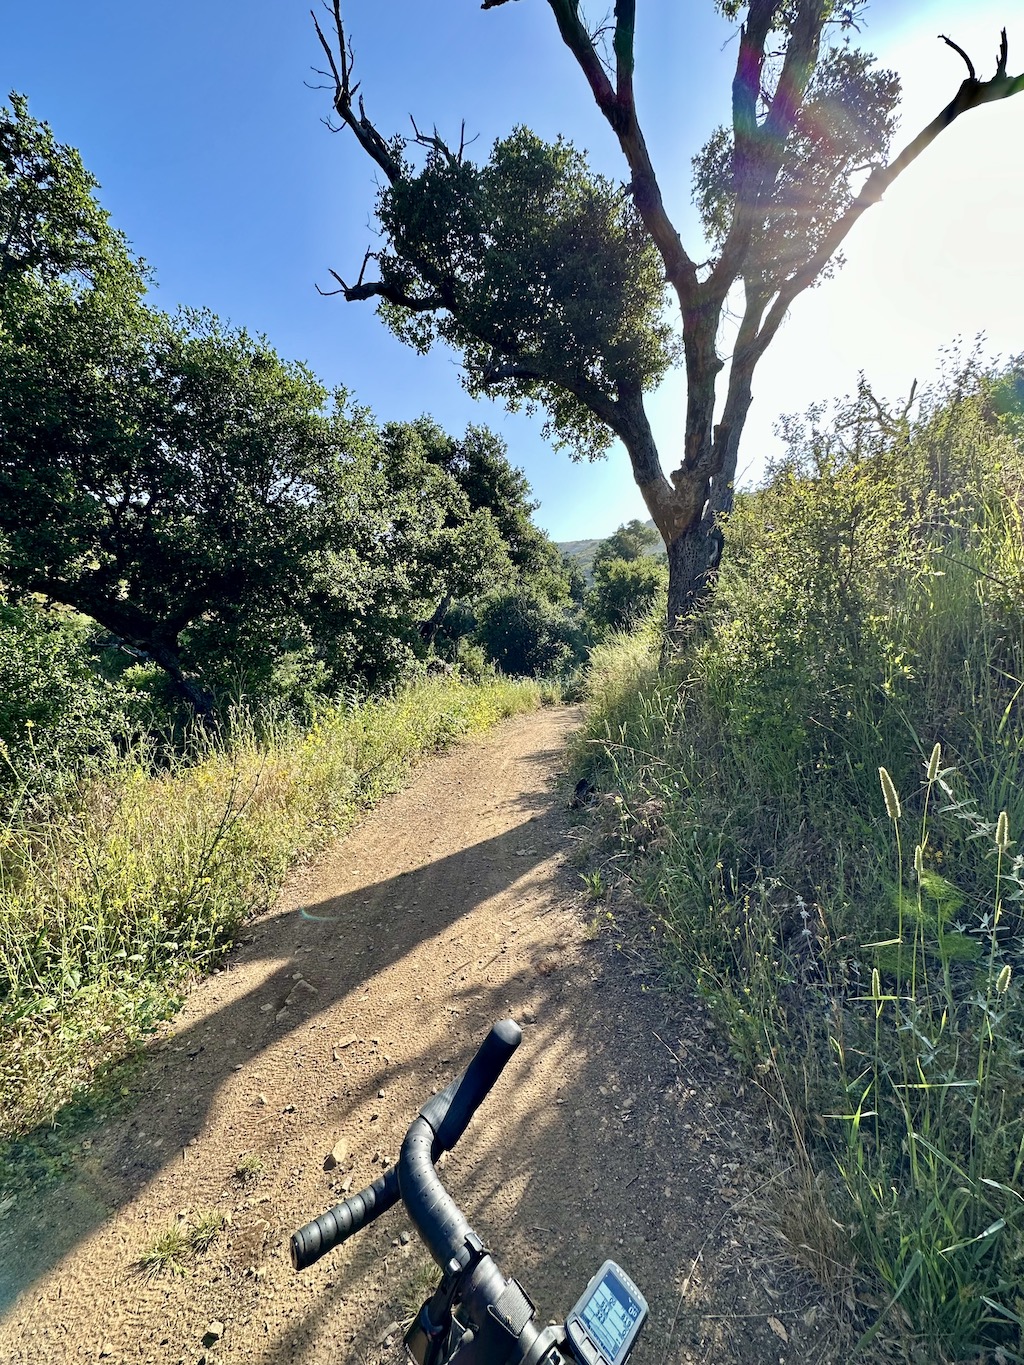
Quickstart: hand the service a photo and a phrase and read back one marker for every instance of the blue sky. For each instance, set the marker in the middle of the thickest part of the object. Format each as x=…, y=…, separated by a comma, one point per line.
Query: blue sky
x=212, y=159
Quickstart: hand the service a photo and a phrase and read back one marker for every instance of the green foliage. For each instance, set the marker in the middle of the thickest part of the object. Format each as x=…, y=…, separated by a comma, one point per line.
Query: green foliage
x=845, y=123
x=478, y=464
x=58, y=716
x=51, y=228
x=207, y=502
x=625, y=590
x=527, y=635
x=862, y=947
x=631, y=541
x=138, y=881
x=538, y=262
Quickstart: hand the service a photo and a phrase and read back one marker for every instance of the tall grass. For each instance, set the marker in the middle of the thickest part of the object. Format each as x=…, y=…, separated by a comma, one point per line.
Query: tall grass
x=859, y=939
x=113, y=896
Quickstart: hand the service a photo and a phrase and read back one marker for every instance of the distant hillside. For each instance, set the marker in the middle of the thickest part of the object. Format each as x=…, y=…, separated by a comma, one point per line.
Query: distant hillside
x=583, y=551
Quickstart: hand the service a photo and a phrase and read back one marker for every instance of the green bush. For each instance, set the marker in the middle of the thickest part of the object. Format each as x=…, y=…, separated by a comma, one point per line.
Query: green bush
x=58, y=714
x=865, y=960
x=526, y=635
x=625, y=590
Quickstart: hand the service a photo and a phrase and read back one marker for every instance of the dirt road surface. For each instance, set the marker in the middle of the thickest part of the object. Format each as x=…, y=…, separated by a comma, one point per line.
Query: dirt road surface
x=619, y=1128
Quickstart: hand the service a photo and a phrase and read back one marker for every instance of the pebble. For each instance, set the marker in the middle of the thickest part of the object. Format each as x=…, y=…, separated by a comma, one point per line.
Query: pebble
x=391, y=1330
x=336, y=1155
x=213, y=1333
x=301, y=989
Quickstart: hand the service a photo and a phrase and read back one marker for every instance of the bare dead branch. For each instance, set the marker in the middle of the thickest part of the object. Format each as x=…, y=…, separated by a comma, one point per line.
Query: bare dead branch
x=971, y=95
x=438, y=143
x=392, y=292
x=971, y=73
x=340, y=63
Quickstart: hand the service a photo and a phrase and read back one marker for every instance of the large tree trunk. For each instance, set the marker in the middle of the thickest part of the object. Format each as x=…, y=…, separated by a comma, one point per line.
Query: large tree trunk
x=689, y=507
x=692, y=560
x=195, y=693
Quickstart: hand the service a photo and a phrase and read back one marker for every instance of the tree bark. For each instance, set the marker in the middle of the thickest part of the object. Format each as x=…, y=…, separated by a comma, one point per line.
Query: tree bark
x=125, y=621
x=692, y=560
x=194, y=692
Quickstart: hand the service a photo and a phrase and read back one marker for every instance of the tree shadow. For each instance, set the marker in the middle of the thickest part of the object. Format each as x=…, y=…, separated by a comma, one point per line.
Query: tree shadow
x=608, y=1134
x=327, y=944
x=597, y=1142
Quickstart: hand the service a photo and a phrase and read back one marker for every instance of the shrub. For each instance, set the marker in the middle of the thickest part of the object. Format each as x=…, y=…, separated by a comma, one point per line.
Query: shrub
x=625, y=590
x=526, y=635
x=58, y=714
x=861, y=945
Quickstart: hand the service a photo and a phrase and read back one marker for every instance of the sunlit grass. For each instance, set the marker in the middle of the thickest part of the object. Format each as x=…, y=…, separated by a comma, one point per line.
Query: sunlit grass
x=175, y=1250
x=112, y=898
x=857, y=934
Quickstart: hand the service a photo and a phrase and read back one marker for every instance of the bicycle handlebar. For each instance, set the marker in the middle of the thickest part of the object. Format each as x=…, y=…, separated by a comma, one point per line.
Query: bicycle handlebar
x=337, y=1225
x=441, y=1122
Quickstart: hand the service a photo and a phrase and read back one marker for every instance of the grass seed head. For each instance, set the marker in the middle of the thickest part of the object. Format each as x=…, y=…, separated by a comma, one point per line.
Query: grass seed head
x=892, y=801
x=1003, y=832
x=933, y=763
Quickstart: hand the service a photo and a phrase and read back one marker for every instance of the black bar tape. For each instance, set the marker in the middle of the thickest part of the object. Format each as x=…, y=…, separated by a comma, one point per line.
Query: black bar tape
x=320, y=1236
x=450, y=1111
x=434, y=1213
x=448, y=1115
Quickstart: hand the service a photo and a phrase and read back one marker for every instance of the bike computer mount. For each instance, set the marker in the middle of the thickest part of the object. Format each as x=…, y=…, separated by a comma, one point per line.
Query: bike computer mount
x=603, y=1327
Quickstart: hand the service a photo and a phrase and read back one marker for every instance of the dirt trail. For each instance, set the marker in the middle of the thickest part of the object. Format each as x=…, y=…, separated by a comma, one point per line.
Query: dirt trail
x=617, y=1129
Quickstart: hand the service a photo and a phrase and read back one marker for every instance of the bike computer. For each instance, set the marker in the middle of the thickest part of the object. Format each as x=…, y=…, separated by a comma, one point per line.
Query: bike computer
x=603, y=1327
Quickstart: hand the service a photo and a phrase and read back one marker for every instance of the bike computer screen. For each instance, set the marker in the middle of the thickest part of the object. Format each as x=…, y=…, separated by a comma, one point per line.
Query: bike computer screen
x=603, y=1327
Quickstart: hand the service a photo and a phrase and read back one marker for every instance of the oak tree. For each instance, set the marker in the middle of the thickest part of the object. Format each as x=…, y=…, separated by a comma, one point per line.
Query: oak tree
x=208, y=503
x=552, y=281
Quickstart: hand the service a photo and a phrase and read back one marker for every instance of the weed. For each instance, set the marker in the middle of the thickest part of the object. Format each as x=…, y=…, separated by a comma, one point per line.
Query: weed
x=598, y=922
x=175, y=1250
x=249, y=1169
x=416, y=1288
x=597, y=887
x=169, y=1254
x=204, y=1232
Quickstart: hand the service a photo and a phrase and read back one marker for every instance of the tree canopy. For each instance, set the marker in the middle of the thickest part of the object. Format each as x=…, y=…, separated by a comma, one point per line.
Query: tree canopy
x=631, y=541
x=210, y=504
x=553, y=283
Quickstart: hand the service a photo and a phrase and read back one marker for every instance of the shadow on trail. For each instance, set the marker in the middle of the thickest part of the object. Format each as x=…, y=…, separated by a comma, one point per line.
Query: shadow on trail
x=339, y=945
x=604, y=1136
x=595, y=1143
